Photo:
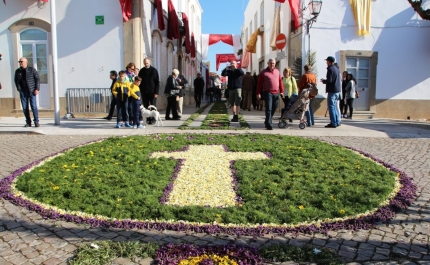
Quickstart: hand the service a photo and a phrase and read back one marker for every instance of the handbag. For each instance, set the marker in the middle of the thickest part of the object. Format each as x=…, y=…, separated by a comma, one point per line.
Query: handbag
x=313, y=90
x=174, y=92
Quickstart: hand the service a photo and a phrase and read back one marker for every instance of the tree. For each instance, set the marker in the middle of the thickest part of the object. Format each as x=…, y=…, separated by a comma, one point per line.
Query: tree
x=416, y=5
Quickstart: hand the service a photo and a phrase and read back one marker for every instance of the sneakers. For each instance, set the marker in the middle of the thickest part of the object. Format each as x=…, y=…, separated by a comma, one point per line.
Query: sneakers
x=36, y=124
x=134, y=126
x=141, y=127
x=235, y=118
x=118, y=125
x=127, y=125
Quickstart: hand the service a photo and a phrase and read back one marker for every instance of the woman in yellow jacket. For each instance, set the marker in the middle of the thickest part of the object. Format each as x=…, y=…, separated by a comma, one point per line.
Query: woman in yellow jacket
x=290, y=88
x=121, y=91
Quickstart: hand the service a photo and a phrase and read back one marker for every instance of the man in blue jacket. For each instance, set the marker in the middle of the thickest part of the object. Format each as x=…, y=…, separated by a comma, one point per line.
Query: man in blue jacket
x=234, y=75
x=28, y=85
x=333, y=89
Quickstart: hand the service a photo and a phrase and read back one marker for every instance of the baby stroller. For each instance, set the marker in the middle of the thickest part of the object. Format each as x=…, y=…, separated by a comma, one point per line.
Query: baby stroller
x=297, y=110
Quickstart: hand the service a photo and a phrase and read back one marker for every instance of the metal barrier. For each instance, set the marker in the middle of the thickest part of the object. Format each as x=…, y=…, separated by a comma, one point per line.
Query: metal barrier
x=86, y=100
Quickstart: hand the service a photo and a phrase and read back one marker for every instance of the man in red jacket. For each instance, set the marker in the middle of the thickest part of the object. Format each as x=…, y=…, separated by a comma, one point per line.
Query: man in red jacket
x=268, y=87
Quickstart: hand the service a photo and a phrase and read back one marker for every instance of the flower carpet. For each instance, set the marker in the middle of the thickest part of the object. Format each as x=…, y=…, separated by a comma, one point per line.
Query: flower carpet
x=236, y=184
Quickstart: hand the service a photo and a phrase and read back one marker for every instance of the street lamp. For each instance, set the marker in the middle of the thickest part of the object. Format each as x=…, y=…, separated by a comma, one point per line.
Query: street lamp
x=314, y=7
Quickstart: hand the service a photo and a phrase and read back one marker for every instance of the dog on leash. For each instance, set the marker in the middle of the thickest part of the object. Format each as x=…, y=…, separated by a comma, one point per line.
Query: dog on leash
x=152, y=112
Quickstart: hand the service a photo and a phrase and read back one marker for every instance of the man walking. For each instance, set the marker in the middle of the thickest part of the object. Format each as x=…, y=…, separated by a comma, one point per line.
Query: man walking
x=248, y=86
x=28, y=85
x=268, y=87
x=199, y=84
x=234, y=75
x=149, y=86
x=333, y=90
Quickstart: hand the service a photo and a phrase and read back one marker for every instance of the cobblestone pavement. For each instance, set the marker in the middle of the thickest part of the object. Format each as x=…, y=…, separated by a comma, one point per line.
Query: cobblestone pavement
x=26, y=238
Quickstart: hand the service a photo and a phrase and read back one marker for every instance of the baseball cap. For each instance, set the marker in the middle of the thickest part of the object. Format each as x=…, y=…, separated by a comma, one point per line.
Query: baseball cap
x=330, y=59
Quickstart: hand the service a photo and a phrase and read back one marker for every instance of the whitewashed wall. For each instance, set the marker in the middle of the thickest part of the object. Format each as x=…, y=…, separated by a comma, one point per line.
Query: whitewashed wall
x=86, y=51
x=269, y=13
x=399, y=36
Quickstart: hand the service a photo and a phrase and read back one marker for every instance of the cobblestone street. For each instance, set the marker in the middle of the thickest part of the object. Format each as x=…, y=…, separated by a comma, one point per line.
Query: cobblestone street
x=26, y=238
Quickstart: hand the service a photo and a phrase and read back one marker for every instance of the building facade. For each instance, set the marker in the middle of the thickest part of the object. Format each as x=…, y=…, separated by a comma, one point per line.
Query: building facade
x=386, y=58
x=92, y=40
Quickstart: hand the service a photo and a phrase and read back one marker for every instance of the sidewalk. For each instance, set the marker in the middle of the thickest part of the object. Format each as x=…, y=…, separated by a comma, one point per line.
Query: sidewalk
x=355, y=128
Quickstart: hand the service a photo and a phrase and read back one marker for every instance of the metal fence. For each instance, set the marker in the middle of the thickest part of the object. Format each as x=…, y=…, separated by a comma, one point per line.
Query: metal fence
x=86, y=100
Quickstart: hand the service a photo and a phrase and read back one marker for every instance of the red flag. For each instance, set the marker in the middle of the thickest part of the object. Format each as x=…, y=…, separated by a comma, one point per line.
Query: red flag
x=280, y=1
x=173, y=23
x=126, y=9
x=159, y=6
x=295, y=7
x=187, y=32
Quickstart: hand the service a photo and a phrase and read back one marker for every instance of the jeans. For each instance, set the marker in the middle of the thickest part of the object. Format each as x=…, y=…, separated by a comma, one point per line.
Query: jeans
x=136, y=111
x=332, y=101
x=122, y=110
x=310, y=114
x=27, y=97
x=271, y=101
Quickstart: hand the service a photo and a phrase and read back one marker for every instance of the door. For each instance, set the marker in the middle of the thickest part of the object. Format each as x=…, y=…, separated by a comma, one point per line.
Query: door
x=34, y=47
x=360, y=69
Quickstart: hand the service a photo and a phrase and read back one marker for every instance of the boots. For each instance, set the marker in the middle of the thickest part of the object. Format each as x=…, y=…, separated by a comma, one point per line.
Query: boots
x=235, y=118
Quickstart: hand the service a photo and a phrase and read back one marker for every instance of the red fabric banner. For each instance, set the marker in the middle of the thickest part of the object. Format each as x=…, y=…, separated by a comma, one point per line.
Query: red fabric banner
x=187, y=33
x=280, y=1
x=226, y=38
x=224, y=58
x=193, y=46
x=126, y=9
x=173, y=22
x=245, y=59
x=295, y=7
x=159, y=6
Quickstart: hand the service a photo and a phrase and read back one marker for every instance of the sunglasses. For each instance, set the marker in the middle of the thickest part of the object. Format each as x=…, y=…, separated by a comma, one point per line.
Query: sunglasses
x=20, y=61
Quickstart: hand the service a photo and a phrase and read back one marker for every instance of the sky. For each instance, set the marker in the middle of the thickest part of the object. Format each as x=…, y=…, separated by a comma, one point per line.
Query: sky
x=221, y=17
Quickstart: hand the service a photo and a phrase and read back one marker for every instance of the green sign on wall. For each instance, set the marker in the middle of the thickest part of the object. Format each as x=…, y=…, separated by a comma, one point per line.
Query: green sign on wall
x=100, y=20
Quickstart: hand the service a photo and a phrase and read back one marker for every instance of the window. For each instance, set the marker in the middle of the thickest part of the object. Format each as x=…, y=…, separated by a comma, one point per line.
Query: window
x=250, y=29
x=262, y=13
x=255, y=21
x=246, y=36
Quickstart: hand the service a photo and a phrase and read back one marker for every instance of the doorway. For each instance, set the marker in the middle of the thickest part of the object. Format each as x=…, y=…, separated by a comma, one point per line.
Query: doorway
x=34, y=47
x=360, y=69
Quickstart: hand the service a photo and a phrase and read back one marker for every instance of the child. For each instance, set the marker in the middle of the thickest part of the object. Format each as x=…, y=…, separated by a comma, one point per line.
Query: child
x=114, y=77
x=136, y=101
x=121, y=91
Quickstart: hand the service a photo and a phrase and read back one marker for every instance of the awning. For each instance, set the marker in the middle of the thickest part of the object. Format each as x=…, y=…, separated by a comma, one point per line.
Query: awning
x=125, y=8
x=362, y=10
x=226, y=38
x=224, y=58
x=251, y=46
x=173, y=23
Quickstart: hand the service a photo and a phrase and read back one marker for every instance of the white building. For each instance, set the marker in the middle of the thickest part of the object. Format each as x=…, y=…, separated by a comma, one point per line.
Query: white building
x=92, y=40
x=389, y=62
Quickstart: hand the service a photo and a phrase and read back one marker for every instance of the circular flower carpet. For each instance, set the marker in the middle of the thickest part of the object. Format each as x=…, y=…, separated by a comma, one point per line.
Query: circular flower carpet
x=237, y=184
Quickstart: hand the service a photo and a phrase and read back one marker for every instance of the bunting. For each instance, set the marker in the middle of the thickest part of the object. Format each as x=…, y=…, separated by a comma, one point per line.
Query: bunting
x=125, y=8
x=173, y=23
x=187, y=32
x=193, y=46
x=295, y=7
x=362, y=14
x=158, y=5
